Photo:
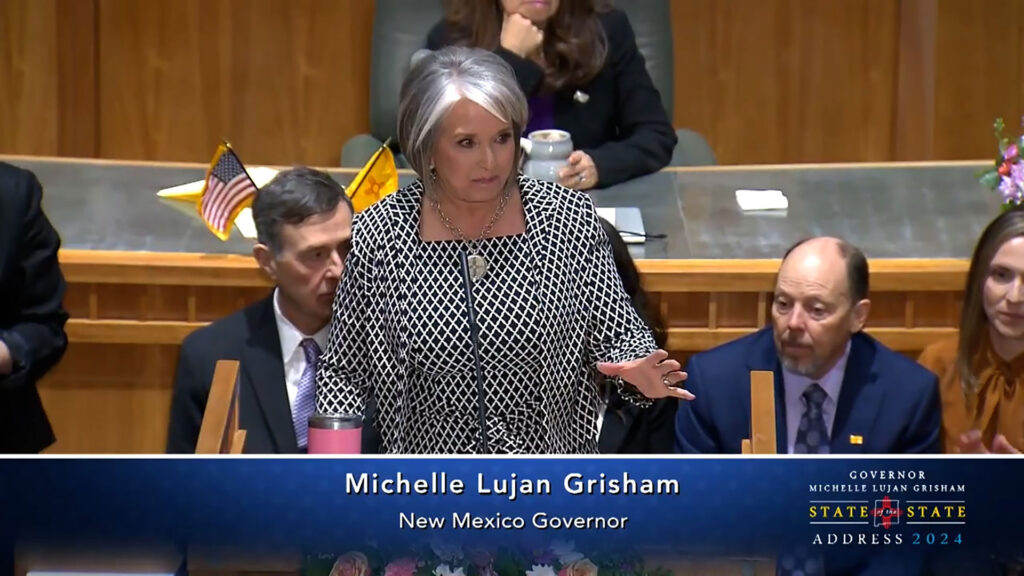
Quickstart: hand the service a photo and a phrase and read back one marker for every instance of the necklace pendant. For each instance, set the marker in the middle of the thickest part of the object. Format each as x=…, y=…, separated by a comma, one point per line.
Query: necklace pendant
x=477, y=266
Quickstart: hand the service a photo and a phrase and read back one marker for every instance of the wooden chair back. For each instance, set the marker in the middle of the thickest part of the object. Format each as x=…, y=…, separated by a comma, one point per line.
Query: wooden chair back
x=762, y=414
x=219, y=433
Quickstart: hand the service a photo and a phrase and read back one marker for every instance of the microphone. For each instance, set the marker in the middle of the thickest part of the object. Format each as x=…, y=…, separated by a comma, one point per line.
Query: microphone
x=474, y=338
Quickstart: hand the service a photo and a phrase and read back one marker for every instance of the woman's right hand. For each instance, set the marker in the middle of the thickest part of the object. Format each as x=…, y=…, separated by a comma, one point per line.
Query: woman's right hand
x=520, y=36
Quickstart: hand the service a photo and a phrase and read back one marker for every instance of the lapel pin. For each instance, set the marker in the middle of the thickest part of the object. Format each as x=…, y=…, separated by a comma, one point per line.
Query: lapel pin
x=856, y=440
x=581, y=97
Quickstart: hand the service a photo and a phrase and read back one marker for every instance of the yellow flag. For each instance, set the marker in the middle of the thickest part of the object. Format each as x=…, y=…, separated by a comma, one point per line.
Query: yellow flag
x=377, y=179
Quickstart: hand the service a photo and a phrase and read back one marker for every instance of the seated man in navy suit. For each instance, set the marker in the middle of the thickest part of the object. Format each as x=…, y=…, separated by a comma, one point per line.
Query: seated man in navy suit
x=837, y=390
x=304, y=227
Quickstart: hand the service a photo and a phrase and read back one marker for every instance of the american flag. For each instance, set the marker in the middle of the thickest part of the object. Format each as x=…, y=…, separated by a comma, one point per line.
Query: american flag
x=228, y=189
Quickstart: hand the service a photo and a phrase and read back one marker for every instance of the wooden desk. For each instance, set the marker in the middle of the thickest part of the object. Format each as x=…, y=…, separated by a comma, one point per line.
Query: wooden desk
x=712, y=276
x=130, y=312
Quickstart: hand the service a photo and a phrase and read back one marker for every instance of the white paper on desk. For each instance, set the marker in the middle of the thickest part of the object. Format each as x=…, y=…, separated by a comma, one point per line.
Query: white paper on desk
x=627, y=221
x=751, y=200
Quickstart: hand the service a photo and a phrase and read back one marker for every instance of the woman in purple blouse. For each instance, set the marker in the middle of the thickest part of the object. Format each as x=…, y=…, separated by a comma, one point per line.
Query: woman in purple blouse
x=578, y=64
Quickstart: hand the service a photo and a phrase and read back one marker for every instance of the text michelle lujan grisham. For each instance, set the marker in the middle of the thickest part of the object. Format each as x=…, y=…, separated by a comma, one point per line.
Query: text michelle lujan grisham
x=513, y=488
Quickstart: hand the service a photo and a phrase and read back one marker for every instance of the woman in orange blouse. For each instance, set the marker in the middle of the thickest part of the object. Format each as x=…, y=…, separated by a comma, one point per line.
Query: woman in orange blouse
x=981, y=372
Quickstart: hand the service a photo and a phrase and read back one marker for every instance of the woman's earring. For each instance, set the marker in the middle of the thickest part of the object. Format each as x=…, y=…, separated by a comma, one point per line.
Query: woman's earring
x=433, y=174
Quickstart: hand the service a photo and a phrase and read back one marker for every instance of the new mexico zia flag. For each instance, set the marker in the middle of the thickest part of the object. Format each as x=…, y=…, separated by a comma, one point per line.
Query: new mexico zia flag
x=377, y=179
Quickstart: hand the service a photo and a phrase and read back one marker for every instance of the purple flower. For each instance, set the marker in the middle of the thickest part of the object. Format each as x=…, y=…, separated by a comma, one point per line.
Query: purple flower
x=1008, y=189
x=1017, y=174
x=1010, y=152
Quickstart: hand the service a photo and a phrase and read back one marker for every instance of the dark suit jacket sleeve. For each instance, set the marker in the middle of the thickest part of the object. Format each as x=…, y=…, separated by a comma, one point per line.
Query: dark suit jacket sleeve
x=188, y=402
x=693, y=435
x=661, y=428
x=36, y=338
x=529, y=74
x=646, y=136
x=923, y=430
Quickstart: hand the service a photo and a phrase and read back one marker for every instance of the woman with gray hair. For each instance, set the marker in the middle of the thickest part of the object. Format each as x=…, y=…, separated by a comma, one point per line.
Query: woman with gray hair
x=476, y=304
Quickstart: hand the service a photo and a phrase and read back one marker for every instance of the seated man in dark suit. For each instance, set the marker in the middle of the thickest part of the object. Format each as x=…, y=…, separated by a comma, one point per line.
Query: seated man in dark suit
x=837, y=390
x=304, y=227
x=32, y=316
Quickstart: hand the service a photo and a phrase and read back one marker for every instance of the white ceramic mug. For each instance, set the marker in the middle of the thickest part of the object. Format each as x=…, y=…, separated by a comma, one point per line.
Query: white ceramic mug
x=547, y=153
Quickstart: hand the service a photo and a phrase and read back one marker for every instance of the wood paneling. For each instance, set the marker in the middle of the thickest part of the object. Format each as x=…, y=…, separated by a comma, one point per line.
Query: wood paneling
x=913, y=133
x=960, y=69
x=110, y=397
x=112, y=391
x=286, y=82
x=48, y=77
x=978, y=75
x=28, y=77
x=787, y=80
x=77, y=104
x=131, y=311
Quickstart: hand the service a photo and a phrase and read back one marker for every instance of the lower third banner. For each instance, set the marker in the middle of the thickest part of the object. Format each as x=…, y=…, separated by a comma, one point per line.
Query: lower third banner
x=837, y=512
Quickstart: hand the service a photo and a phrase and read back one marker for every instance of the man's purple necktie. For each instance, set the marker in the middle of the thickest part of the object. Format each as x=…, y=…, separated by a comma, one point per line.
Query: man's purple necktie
x=305, y=400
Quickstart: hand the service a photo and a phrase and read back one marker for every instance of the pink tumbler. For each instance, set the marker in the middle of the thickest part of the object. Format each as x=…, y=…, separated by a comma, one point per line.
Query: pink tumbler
x=335, y=434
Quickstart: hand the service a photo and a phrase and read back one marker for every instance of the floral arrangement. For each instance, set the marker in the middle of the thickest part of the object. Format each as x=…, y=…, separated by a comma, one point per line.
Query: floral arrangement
x=1007, y=175
x=444, y=559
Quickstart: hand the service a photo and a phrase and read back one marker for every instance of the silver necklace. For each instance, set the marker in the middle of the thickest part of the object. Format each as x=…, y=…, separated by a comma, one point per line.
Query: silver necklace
x=477, y=263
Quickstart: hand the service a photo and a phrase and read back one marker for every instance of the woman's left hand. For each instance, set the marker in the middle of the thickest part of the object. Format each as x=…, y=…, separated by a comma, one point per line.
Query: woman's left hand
x=580, y=172
x=655, y=376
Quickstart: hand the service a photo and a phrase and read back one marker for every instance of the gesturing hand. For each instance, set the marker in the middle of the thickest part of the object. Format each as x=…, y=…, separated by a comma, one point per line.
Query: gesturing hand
x=655, y=376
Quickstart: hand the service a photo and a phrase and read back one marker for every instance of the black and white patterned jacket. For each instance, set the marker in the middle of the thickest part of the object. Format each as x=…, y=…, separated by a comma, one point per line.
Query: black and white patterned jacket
x=583, y=313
